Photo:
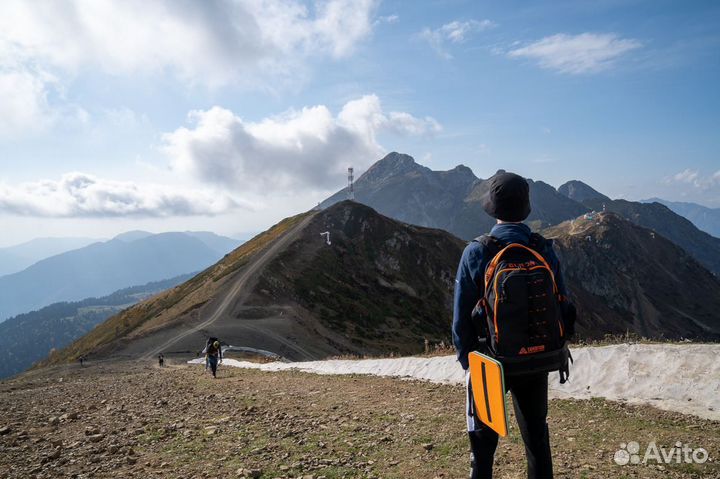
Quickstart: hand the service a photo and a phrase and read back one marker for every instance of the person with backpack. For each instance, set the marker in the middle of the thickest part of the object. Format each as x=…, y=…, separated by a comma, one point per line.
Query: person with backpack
x=213, y=355
x=511, y=304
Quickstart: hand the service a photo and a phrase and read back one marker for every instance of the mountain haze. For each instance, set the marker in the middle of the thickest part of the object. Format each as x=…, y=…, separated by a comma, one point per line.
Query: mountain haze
x=104, y=267
x=30, y=337
x=18, y=257
x=706, y=219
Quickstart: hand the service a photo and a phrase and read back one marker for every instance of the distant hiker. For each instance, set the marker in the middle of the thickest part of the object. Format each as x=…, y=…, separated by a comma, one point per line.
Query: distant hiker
x=82, y=361
x=510, y=303
x=213, y=355
x=161, y=359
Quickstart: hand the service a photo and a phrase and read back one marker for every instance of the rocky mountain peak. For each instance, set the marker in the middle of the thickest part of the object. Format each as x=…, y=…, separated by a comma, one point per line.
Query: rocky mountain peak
x=579, y=191
x=393, y=164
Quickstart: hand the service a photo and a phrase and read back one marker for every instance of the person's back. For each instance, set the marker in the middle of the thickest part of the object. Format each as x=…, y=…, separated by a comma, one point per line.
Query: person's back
x=507, y=201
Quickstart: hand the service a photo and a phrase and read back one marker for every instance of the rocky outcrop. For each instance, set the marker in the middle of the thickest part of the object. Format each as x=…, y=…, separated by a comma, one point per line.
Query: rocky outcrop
x=625, y=278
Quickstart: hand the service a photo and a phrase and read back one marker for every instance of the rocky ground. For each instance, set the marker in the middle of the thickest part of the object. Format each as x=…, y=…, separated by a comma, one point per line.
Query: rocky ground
x=135, y=420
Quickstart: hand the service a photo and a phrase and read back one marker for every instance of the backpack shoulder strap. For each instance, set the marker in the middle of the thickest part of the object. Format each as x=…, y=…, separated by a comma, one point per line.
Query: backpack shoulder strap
x=539, y=243
x=492, y=244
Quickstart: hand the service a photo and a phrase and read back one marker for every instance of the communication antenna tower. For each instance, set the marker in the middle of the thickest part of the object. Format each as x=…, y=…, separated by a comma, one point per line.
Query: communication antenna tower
x=351, y=178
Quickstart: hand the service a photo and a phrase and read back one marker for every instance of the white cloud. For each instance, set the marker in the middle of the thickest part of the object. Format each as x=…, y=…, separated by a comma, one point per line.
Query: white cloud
x=26, y=105
x=389, y=19
x=83, y=195
x=211, y=43
x=695, y=179
x=576, y=54
x=294, y=151
x=454, y=32
x=23, y=101
x=685, y=176
x=252, y=43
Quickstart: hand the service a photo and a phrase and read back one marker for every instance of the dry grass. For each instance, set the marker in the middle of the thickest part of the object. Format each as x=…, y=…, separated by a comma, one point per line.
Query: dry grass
x=170, y=305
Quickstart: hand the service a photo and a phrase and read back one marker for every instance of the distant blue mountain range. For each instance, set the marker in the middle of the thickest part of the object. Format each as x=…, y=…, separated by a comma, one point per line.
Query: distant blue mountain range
x=100, y=268
x=17, y=258
x=706, y=219
x=30, y=337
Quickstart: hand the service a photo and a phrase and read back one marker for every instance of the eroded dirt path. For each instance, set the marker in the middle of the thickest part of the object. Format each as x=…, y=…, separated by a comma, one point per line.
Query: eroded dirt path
x=248, y=274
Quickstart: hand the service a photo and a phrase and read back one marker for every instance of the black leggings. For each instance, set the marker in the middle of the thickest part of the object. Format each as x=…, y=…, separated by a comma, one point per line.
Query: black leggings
x=530, y=401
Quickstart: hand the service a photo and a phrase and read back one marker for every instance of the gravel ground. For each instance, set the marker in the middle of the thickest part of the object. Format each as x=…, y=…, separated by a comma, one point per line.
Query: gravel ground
x=136, y=420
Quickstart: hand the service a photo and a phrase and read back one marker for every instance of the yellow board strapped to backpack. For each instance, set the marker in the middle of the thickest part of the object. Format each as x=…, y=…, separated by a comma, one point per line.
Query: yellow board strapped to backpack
x=488, y=388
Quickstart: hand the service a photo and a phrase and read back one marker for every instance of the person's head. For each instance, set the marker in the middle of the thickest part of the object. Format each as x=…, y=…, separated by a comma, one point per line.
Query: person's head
x=507, y=198
x=216, y=344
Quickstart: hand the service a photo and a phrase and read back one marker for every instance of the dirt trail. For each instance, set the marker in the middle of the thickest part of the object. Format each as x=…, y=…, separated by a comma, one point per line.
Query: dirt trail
x=247, y=275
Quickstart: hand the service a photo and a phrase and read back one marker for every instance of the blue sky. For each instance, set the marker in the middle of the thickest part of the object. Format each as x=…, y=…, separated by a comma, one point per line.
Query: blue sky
x=230, y=115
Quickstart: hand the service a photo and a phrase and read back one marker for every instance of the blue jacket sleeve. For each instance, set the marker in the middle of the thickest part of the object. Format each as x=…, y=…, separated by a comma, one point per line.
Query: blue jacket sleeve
x=468, y=282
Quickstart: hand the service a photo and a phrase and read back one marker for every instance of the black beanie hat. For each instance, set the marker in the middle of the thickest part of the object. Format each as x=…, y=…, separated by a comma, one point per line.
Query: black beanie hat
x=507, y=197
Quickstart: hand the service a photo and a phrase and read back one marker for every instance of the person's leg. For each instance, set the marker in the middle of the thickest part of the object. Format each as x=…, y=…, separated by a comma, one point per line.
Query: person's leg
x=483, y=440
x=530, y=401
x=213, y=365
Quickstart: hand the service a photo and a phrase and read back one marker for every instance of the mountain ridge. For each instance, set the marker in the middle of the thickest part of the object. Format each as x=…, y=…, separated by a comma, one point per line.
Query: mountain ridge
x=101, y=268
x=30, y=337
x=384, y=286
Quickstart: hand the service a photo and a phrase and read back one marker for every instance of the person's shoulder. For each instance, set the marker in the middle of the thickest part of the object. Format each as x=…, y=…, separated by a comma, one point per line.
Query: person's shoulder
x=474, y=251
x=474, y=247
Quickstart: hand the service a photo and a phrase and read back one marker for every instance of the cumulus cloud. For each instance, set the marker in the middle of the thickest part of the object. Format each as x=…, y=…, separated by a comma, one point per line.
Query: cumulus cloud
x=205, y=42
x=239, y=42
x=576, y=54
x=297, y=150
x=454, y=32
x=83, y=195
x=26, y=105
x=695, y=179
x=23, y=101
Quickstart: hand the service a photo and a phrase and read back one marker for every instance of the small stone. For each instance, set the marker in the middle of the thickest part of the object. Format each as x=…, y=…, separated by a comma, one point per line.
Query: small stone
x=428, y=446
x=53, y=421
x=96, y=437
x=5, y=430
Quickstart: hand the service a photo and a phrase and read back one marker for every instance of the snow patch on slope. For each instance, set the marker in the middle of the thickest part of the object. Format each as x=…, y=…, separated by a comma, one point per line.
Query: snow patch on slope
x=676, y=377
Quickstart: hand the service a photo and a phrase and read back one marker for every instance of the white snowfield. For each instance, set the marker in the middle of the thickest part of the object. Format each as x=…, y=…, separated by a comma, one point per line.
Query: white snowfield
x=676, y=377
